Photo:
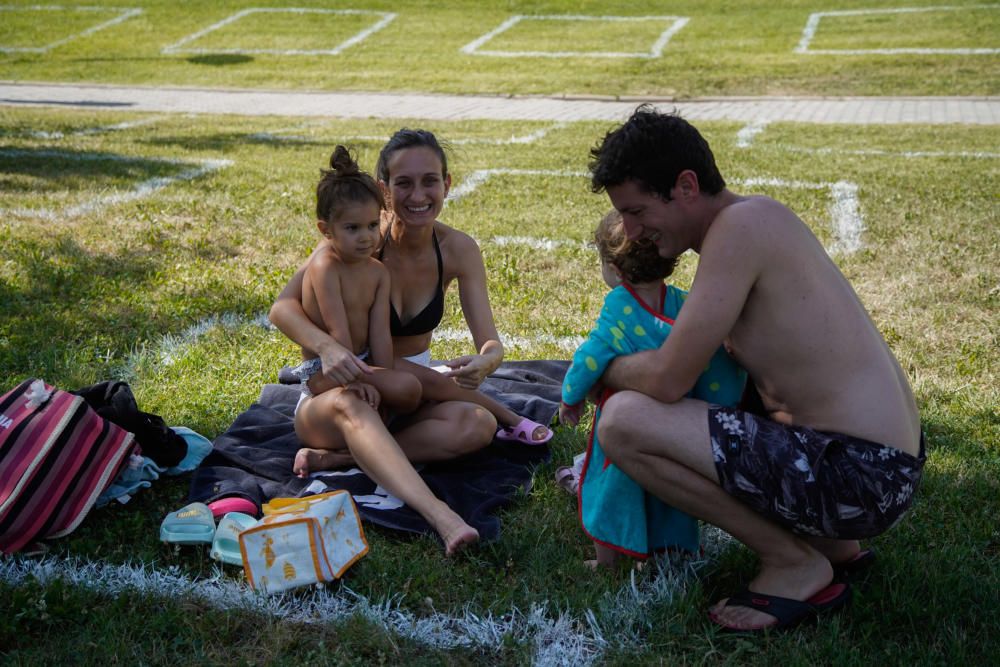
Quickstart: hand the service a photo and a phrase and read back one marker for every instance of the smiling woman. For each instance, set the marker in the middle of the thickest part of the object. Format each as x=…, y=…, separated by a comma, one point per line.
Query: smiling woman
x=423, y=257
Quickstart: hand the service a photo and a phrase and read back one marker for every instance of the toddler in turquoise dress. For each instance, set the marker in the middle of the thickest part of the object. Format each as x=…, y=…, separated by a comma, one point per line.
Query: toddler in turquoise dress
x=638, y=312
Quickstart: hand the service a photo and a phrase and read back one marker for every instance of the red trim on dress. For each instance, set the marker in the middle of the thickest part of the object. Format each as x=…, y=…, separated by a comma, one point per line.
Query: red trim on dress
x=663, y=299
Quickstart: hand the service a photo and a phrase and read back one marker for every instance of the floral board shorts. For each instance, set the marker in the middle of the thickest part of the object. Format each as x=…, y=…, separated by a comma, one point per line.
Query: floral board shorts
x=812, y=482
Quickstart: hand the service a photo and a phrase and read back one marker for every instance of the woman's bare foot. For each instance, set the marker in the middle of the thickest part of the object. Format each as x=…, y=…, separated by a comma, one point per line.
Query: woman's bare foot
x=456, y=534
x=797, y=582
x=310, y=460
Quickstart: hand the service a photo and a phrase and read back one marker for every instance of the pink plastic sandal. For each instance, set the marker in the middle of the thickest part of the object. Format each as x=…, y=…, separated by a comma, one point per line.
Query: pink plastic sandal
x=223, y=506
x=522, y=432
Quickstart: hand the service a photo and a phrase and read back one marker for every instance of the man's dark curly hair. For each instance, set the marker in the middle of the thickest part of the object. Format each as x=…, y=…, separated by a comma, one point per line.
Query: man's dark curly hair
x=653, y=148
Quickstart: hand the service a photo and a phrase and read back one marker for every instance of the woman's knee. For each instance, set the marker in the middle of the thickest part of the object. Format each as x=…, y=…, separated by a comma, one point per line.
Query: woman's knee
x=343, y=409
x=474, y=427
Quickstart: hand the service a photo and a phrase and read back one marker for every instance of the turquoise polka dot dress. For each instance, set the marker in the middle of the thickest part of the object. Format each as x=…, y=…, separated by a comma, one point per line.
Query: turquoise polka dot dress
x=614, y=510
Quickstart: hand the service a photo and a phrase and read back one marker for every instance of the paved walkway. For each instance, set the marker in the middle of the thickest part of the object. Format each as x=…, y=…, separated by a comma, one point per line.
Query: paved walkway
x=849, y=110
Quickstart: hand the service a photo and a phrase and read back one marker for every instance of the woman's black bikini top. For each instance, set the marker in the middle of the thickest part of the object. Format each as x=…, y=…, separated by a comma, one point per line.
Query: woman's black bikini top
x=428, y=318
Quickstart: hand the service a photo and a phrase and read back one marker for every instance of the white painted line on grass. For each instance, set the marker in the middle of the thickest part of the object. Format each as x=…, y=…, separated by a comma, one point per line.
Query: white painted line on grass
x=537, y=243
x=565, y=343
x=531, y=137
x=977, y=155
x=812, y=24
x=845, y=211
x=480, y=176
x=89, y=131
x=172, y=347
x=385, y=18
x=746, y=135
x=556, y=639
x=676, y=23
x=138, y=191
x=125, y=13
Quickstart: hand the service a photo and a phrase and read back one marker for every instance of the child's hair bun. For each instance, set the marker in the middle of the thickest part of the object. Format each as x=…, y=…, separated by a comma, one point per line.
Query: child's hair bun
x=342, y=163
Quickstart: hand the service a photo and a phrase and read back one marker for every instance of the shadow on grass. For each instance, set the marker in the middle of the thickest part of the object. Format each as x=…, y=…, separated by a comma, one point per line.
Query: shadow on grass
x=220, y=59
x=74, y=311
x=71, y=166
x=222, y=141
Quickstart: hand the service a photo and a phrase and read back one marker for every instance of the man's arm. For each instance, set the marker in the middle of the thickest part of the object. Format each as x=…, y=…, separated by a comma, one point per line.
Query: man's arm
x=728, y=267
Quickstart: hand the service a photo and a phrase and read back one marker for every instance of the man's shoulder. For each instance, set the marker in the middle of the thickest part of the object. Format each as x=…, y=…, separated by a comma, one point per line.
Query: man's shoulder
x=753, y=211
x=753, y=223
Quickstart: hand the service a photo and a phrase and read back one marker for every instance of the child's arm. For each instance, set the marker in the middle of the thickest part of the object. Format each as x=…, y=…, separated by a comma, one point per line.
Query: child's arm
x=604, y=343
x=288, y=315
x=379, y=338
x=324, y=278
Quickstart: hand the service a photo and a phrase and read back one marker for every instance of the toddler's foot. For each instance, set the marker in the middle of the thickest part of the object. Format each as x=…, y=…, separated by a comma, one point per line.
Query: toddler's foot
x=310, y=460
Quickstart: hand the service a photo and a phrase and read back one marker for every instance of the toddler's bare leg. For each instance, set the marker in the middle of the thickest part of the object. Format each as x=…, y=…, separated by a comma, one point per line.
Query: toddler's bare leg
x=605, y=557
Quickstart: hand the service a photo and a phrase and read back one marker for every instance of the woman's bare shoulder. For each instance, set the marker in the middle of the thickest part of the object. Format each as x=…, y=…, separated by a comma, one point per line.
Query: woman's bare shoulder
x=454, y=240
x=460, y=252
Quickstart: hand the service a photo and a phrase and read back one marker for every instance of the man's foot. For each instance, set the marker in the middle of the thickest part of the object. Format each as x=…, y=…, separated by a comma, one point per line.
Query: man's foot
x=786, y=613
x=310, y=460
x=849, y=560
x=797, y=584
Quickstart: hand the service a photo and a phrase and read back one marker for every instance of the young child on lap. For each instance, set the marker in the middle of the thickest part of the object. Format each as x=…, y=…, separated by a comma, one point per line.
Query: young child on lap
x=346, y=292
x=637, y=315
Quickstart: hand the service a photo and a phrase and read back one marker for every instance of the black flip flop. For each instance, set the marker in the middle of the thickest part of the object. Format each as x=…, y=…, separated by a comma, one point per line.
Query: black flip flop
x=787, y=612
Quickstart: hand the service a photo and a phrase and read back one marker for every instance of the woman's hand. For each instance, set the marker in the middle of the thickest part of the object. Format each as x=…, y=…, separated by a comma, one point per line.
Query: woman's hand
x=366, y=393
x=469, y=370
x=340, y=366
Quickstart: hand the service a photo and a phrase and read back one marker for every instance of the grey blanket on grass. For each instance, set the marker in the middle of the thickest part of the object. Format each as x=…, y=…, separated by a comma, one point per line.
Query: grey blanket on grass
x=253, y=458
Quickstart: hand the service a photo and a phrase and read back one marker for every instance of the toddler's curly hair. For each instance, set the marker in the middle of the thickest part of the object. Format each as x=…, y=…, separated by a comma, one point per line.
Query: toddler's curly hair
x=639, y=261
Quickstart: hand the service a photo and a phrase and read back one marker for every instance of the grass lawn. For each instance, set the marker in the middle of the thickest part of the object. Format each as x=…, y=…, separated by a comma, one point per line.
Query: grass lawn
x=165, y=288
x=579, y=47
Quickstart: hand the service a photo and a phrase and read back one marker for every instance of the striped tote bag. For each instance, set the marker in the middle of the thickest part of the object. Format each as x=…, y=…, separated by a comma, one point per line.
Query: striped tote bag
x=57, y=455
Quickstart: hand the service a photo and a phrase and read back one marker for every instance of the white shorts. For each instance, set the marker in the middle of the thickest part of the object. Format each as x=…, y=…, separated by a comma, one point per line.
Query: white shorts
x=422, y=359
x=310, y=367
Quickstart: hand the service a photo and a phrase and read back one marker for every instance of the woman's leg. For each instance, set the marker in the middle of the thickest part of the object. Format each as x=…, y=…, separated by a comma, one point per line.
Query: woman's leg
x=438, y=387
x=444, y=431
x=339, y=416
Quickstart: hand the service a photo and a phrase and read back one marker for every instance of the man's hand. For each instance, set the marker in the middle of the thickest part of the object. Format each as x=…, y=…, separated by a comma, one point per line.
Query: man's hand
x=570, y=414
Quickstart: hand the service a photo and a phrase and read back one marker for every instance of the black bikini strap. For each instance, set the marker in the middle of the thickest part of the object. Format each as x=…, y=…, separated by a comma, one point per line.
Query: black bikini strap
x=437, y=249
